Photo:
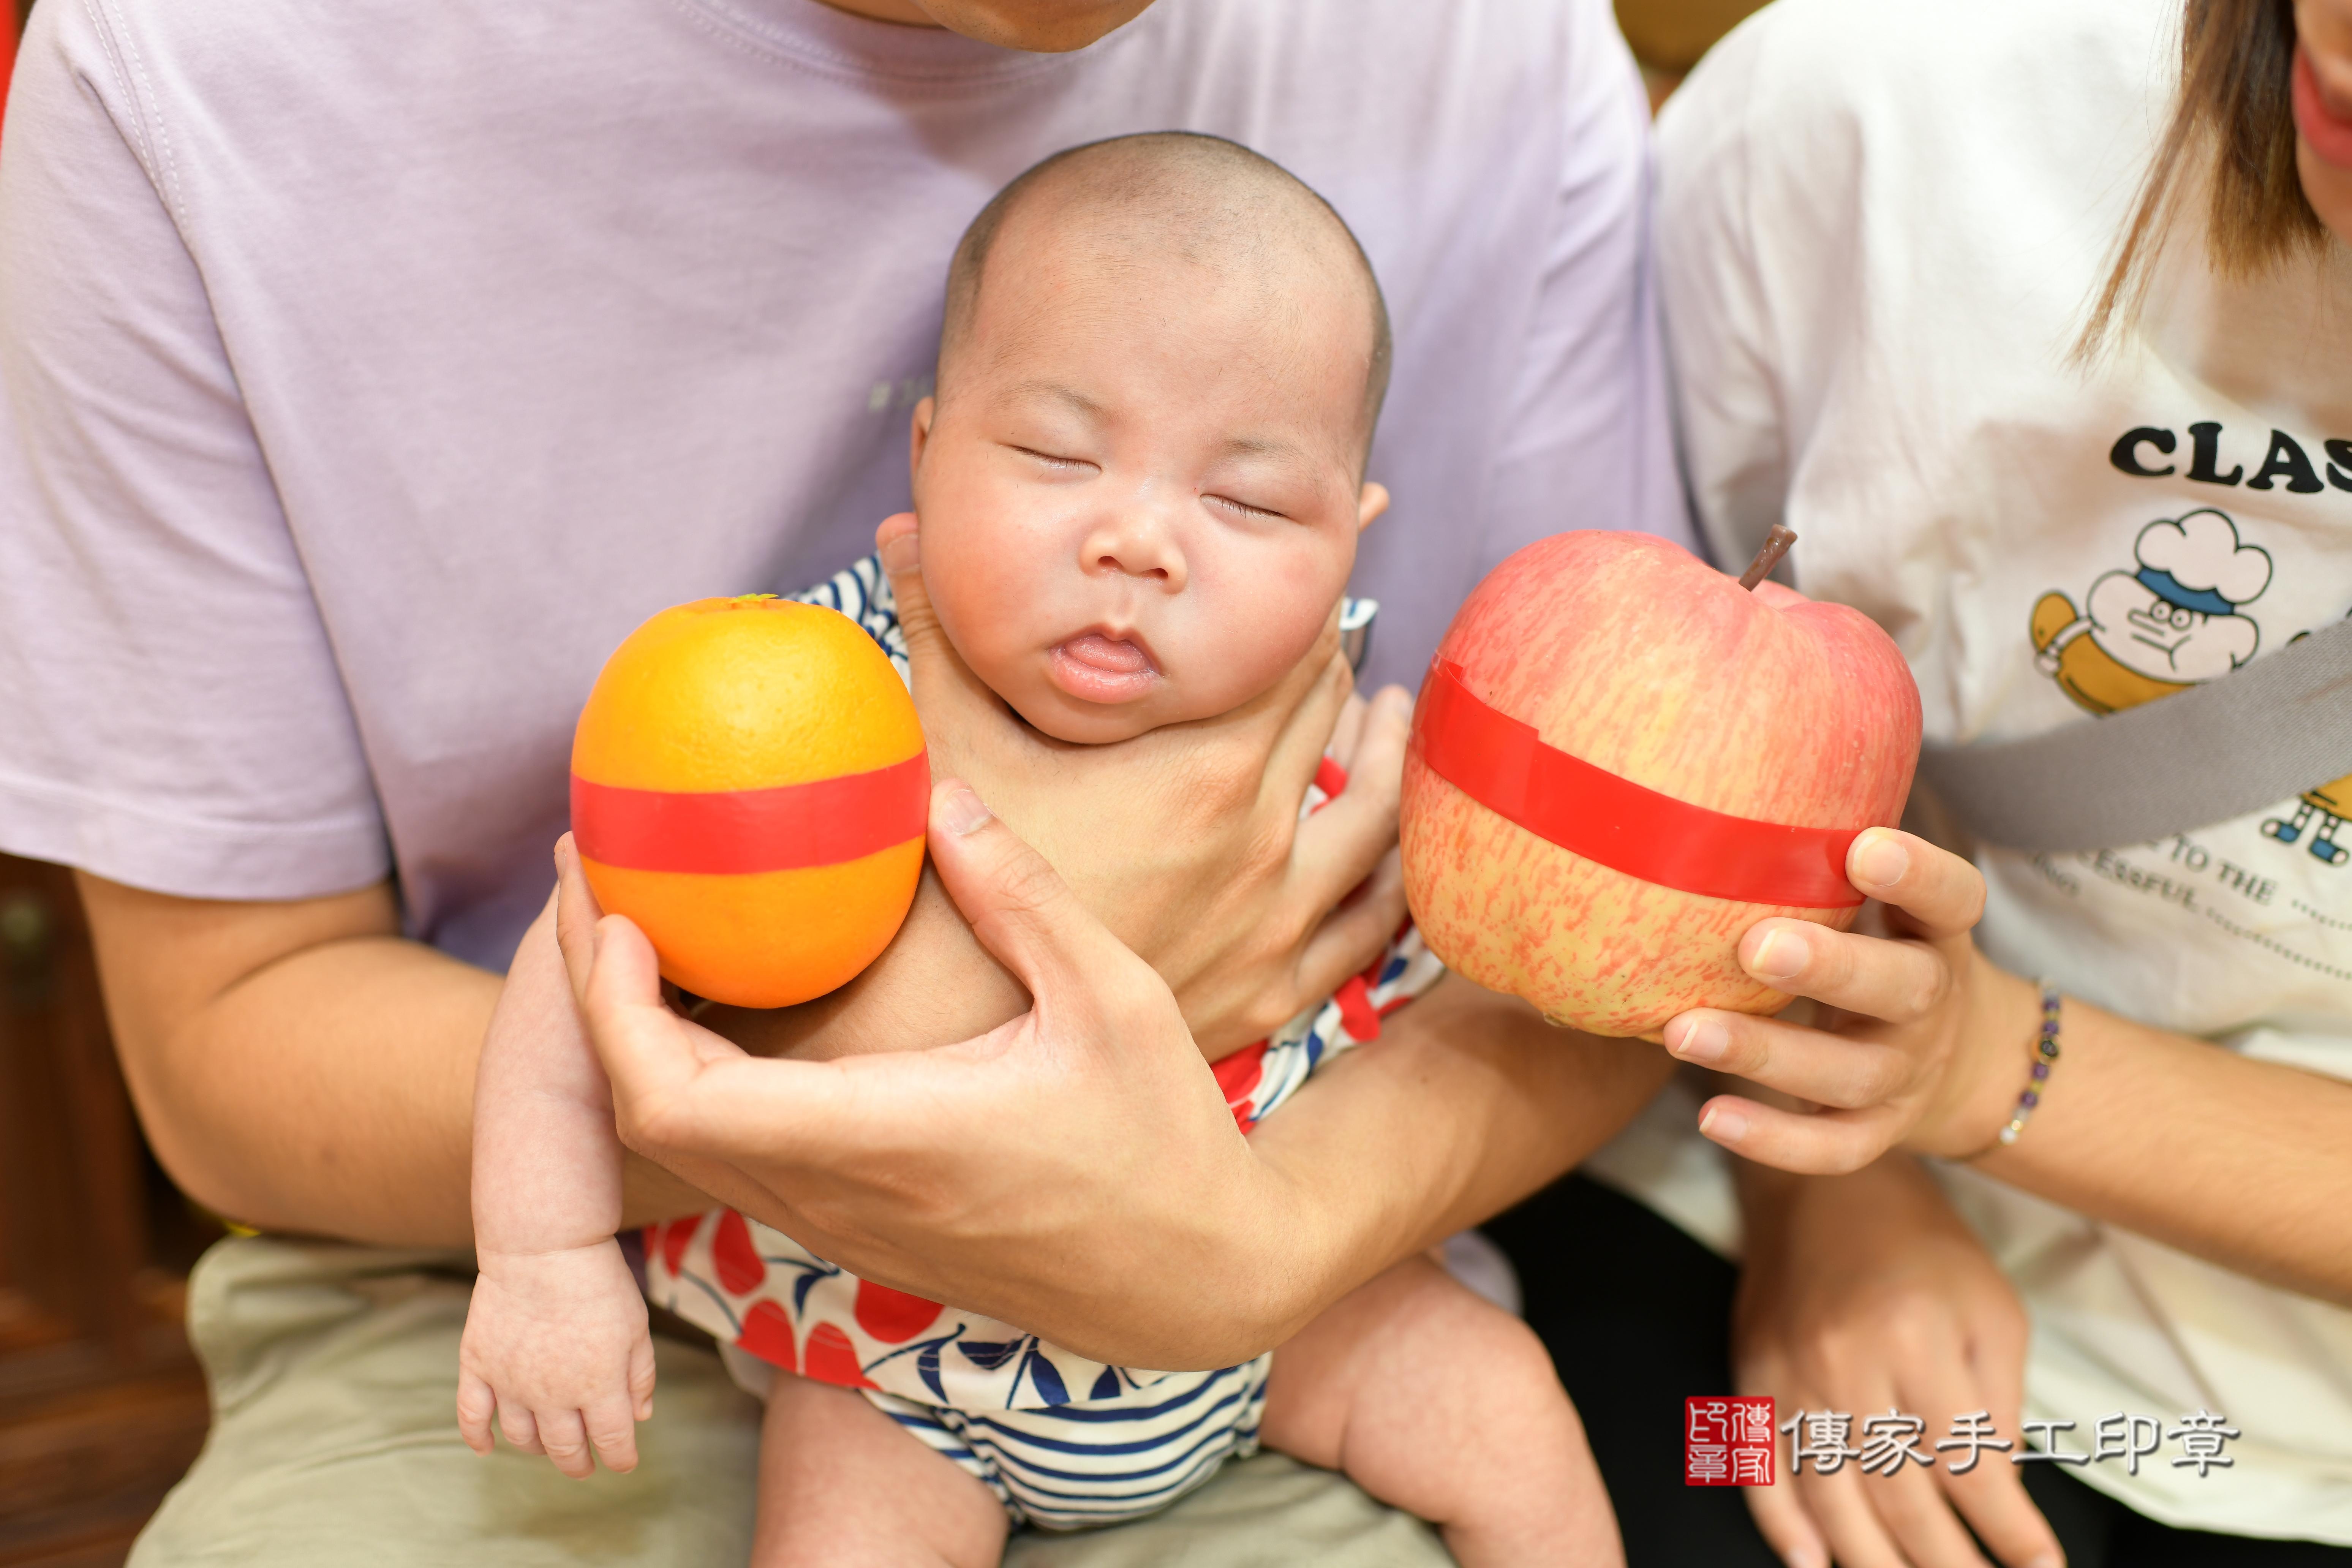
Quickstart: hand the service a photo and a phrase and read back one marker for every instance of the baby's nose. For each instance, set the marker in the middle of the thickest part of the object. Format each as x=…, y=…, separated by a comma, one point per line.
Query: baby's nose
x=1138, y=544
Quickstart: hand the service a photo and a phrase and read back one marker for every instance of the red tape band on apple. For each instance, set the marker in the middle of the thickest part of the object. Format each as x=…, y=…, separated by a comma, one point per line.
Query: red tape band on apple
x=1500, y=762
x=738, y=832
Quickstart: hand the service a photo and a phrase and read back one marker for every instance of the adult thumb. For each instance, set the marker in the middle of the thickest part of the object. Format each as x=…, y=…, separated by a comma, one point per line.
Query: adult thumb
x=1025, y=915
x=944, y=685
x=899, y=542
x=576, y=914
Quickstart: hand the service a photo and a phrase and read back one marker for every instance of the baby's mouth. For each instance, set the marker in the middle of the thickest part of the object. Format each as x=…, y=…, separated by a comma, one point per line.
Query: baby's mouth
x=1095, y=667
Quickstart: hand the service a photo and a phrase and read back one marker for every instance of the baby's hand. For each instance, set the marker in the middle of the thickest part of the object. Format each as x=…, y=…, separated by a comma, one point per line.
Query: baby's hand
x=556, y=1346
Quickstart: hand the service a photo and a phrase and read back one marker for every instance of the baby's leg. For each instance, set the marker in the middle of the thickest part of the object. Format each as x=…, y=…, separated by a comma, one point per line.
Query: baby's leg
x=1446, y=1406
x=841, y=1482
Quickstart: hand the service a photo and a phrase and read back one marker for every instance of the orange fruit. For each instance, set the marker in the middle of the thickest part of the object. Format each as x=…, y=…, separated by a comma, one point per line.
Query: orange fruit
x=749, y=784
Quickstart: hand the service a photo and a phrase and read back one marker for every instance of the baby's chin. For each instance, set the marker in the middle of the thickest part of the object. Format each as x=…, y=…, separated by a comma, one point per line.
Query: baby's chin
x=1046, y=707
x=1077, y=717
x=1078, y=723
x=1064, y=716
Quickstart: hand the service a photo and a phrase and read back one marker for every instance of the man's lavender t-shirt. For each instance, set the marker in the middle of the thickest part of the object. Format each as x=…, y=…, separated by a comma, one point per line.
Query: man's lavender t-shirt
x=368, y=370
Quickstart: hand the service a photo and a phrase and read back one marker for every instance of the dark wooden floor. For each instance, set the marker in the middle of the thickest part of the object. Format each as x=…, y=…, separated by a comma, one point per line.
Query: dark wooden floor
x=81, y=1468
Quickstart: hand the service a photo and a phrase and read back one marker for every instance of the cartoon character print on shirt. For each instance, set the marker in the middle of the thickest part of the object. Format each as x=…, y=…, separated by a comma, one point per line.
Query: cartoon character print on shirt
x=2176, y=620
x=2173, y=622
x=2328, y=805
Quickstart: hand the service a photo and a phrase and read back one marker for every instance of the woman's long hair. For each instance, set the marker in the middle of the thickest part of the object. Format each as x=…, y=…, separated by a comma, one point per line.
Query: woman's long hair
x=2234, y=124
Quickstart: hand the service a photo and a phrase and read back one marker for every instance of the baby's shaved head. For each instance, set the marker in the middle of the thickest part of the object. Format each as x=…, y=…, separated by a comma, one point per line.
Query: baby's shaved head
x=1178, y=193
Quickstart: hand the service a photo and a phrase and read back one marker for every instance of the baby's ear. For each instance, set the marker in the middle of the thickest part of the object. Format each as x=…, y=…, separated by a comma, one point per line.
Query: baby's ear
x=919, y=435
x=1372, y=500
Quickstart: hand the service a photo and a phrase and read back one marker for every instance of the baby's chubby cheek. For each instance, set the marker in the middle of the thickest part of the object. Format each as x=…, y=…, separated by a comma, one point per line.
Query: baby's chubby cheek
x=1255, y=643
x=1242, y=628
x=1001, y=619
x=988, y=623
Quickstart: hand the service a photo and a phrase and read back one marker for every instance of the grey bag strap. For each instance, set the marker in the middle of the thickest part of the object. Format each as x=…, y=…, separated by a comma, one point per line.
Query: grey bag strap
x=2263, y=734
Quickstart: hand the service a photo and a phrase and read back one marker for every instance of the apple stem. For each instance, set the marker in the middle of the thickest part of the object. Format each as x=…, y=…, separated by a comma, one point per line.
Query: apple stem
x=1776, y=545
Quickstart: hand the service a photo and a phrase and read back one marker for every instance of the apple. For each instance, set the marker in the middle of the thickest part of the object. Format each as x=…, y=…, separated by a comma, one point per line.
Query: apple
x=1629, y=654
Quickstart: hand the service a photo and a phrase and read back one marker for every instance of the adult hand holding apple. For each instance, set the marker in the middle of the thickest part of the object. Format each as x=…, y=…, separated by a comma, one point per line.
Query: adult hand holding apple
x=1650, y=801
x=1622, y=760
x=1917, y=1041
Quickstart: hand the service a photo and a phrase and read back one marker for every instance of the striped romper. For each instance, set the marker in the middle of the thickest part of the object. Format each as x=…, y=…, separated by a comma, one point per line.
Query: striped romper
x=1064, y=1442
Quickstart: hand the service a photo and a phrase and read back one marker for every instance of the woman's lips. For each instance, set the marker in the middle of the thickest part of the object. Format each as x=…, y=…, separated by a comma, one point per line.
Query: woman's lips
x=1097, y=668
x=2328, y=132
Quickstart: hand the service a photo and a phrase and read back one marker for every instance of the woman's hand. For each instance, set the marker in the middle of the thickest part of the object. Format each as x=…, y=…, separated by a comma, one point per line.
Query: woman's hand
x=1920, y=1041
x=1189, y=837
x=1087, y=1125
x=1924, y=1045
x=1866, y=1293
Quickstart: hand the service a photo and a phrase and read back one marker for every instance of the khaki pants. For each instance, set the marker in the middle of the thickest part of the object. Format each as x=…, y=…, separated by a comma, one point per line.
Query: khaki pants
x=334, y=1441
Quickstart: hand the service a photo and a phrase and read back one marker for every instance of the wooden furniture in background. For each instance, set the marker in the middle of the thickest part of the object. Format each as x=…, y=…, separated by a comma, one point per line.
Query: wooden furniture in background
x=101, y=1407
x=1669, y=35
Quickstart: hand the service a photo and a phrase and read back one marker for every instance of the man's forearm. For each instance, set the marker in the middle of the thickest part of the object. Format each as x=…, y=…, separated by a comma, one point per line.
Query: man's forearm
x=299, y=1066
x=1467, y=1103
x=329, y=1093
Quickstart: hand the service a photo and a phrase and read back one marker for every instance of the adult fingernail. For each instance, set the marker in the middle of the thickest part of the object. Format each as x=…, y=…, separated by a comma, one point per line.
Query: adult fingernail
x=1806, y=1557
x=1881, y=862
x=1779, y=957
x=1723, y=1124
x=962, y=812
x=2048, y=1560
x=1703, y=1041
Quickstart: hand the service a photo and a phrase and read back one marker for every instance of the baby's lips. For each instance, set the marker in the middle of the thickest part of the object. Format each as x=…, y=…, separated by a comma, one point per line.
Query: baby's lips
x=1112, y=655
x=1095, y=668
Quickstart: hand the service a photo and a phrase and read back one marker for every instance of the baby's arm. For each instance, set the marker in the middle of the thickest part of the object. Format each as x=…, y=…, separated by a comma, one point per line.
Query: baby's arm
x=1441, y=1404
x=556, y=1342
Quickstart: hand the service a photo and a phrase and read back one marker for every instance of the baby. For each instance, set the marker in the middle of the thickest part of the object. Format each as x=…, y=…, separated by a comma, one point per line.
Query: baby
x=1139, y=492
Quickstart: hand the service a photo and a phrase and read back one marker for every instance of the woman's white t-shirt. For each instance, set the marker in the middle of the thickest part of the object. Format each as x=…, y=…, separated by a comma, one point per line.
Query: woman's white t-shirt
x=1882, y=222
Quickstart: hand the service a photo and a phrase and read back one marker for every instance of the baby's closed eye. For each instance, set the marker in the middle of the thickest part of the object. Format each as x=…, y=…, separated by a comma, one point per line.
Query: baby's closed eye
x=1246, y=509
x=1053, y=460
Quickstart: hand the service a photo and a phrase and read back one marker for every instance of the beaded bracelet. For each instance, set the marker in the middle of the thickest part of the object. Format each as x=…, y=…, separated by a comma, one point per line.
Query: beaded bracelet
x=2045, y=1056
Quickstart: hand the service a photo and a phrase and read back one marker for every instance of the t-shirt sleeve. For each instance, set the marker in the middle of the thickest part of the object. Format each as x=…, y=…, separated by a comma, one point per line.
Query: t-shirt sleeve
x=1728, y=400
x=174, y=715
x=1589, y=442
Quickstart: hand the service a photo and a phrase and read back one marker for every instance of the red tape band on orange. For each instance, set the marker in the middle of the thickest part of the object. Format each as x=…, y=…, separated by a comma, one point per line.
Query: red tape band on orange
x=1500, y=762
x=736, y=832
